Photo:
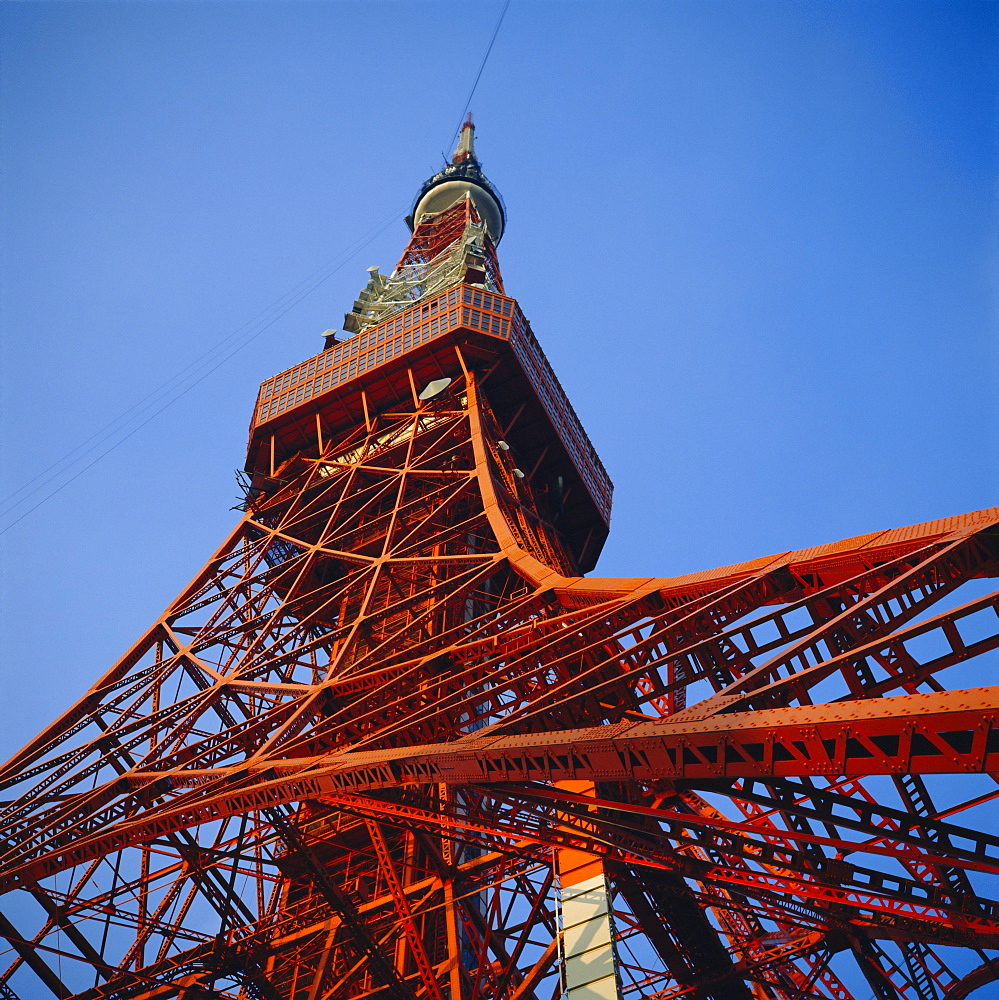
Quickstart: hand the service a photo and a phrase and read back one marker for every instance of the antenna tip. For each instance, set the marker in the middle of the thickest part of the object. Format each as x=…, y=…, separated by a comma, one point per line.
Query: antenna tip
x=466, y=142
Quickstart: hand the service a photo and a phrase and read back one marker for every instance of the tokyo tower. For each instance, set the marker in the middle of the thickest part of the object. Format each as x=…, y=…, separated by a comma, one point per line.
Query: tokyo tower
x=391, y=742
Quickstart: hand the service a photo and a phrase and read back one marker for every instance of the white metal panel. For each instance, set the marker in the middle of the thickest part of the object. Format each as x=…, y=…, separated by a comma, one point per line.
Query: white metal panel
x=588, y=941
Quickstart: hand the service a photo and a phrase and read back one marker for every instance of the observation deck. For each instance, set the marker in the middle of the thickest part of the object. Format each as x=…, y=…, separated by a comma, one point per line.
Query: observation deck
x=462, y=326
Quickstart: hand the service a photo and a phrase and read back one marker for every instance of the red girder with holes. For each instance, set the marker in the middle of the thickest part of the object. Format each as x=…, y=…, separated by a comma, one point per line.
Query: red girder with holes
x=342, y=762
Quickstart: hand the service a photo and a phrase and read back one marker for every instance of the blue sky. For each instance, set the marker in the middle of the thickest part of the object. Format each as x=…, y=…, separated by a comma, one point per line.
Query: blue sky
x=756, y=240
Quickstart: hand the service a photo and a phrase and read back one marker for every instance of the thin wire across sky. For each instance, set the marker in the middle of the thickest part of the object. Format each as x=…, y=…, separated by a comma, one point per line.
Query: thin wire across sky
x=17, y=504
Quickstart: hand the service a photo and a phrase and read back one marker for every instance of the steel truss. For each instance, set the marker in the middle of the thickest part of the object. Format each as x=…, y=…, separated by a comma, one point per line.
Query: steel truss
x=339, y=764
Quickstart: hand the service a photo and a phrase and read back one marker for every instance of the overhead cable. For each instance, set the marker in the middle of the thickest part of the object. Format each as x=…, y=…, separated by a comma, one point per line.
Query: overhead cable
x=174, y=388
x=478, y=76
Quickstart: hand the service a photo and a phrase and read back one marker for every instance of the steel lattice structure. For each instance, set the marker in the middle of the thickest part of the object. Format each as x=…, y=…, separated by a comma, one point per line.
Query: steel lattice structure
x=375, y=744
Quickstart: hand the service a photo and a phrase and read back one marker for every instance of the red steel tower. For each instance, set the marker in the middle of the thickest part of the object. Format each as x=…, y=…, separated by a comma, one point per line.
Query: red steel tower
x=391, y=742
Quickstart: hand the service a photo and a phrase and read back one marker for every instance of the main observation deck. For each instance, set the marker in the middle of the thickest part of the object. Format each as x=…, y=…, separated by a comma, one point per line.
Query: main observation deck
x=460, y=310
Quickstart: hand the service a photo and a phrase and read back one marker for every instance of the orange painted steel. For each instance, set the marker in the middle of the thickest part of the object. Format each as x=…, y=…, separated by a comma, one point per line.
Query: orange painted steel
x=342, y=762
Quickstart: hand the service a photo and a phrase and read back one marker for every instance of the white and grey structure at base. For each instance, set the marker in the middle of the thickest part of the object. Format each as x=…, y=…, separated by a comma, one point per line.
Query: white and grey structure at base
x=588, y=941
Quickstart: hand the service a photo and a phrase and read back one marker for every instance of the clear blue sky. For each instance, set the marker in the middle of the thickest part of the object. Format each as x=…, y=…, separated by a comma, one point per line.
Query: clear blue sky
x=757, y=241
